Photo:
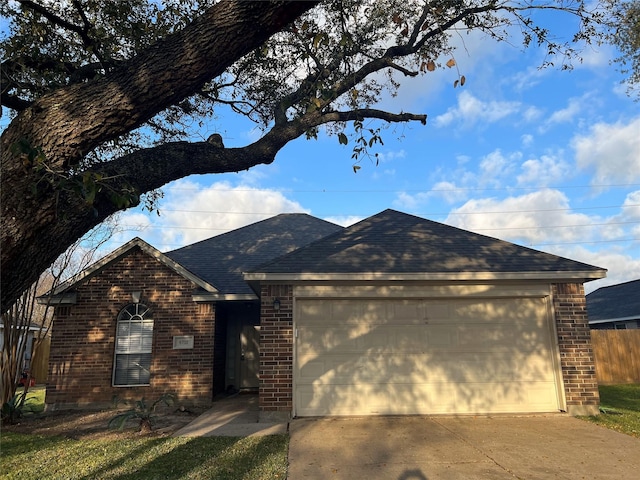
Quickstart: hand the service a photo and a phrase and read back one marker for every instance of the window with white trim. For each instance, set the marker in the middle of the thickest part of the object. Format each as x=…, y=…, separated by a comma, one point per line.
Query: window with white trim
x=134, y=337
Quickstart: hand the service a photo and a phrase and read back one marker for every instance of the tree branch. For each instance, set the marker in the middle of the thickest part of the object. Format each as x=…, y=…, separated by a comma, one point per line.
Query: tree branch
x=66, y=125
x=52, y=17
x=14, y=102
x=372, y=113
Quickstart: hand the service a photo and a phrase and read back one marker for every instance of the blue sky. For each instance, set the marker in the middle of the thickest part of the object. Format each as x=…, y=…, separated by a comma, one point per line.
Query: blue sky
x=548, y=159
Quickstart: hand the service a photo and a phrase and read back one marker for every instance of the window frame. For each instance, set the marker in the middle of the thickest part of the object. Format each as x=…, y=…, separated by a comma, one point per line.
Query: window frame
x=138, y=341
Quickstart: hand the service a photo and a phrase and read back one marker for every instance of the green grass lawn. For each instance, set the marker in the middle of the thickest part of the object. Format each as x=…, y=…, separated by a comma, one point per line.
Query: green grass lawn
x=253, y=458
x=256, y=458
x=620, y=407
x=35, y=400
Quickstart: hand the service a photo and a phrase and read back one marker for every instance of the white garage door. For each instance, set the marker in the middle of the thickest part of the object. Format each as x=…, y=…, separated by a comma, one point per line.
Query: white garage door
x=366, y=357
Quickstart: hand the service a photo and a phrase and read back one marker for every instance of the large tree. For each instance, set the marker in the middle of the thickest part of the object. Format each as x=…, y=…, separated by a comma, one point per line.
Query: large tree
x=625, y=35
x=103, y=93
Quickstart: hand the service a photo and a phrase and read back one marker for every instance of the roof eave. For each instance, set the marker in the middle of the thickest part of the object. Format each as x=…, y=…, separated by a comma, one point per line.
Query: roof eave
x=618, y=319
x=226, y=297
x=558, y=276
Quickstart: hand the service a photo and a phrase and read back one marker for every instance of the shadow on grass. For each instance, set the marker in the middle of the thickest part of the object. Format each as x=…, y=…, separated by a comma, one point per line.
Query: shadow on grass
x=168, y=458
x=218, y=457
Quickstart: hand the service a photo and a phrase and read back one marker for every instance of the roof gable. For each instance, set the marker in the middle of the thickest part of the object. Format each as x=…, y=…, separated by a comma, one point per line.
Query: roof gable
x=395, y=243
x=116, y=255
x=614, y=302
x=222, y=259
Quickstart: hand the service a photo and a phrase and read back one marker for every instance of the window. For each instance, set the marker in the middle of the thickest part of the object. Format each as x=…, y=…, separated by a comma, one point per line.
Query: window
x=134, y=336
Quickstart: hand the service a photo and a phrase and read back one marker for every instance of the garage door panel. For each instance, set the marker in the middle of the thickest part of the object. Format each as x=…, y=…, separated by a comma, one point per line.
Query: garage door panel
x=498, y=310
x=456, y=337
x=398, y=399
x=342, y=339
x=358, y=357
x=416, y=368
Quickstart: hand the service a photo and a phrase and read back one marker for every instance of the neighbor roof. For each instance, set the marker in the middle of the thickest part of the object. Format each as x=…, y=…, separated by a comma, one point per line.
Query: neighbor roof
x=615, y=302
x=221, y=260
x=395, y=245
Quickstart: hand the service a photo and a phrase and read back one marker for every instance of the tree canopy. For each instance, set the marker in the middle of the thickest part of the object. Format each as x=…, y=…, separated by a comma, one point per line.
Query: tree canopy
x=105, y=97
x=625, y=35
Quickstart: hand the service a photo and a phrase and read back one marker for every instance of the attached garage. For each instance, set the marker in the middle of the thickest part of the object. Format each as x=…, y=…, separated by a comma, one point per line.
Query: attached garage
x=402, y=315
x=421, y=356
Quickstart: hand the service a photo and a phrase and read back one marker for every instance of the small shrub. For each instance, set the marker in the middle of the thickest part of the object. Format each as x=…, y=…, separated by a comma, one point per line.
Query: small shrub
x=12, y=410
x=143, y=411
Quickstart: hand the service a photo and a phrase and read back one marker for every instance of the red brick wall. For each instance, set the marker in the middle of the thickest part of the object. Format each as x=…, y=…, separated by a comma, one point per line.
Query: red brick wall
x=276, y=350
x=83, y=336
x=574, y=340
x=576, y=353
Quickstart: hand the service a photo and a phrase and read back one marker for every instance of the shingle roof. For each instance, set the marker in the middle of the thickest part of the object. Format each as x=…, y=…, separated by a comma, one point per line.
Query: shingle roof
x=221, y=260
x=614, y=301
x=395, y=242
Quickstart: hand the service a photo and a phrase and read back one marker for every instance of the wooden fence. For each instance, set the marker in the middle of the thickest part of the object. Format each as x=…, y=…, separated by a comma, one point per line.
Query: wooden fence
x=40, y=361
x=617, y=354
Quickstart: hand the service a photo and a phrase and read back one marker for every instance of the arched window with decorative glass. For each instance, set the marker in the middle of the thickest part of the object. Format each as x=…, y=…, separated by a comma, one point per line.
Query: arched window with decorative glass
x=134, y=338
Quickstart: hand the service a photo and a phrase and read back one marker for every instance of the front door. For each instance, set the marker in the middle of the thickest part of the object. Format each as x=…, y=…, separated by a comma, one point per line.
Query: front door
x=249, y=356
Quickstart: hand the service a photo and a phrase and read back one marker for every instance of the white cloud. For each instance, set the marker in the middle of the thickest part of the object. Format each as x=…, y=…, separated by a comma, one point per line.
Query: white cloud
x=527, y=140
x=613, y=150
x=345, y=221
x=620, y=266
x=596, y=57
x=529, y=78
x=537, y=217
x=471, y=110
x=531, y=114
x=631, y=206
x=391, y=155
x=567, y=114
x=191, y=212
x=495, y=166
x=544, y=171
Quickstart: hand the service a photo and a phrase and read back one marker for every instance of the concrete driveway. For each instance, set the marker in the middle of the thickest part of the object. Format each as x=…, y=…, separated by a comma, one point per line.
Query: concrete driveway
x=430, y=448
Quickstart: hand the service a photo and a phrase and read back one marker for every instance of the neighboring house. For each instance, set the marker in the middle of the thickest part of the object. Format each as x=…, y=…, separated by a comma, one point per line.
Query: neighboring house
x=393, y=315
x=616, y=307
x=27, y=336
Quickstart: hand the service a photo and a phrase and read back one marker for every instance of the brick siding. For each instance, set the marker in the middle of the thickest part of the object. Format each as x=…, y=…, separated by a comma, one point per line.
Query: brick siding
x=276, y=351
x=576, y=353
x=574, y=340
x=83, y=336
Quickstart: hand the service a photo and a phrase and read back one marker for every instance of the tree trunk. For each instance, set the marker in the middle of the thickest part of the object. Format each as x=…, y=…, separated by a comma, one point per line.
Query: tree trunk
x=38, y=225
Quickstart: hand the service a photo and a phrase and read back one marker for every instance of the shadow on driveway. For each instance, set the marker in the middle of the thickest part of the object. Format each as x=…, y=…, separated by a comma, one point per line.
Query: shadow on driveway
x=430, y=448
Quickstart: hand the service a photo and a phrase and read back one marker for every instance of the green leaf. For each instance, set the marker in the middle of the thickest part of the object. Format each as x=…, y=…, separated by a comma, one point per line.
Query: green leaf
x=342, y=138
x=356, y=168
x=318, y=38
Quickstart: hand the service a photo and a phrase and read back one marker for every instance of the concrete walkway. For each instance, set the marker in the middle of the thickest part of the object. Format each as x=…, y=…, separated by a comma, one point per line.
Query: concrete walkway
x=430, y=448
x=235, y=416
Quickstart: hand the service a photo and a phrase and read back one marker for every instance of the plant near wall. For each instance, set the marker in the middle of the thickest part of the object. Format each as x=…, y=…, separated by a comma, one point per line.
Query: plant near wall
x=12, y=408
x=142, y=411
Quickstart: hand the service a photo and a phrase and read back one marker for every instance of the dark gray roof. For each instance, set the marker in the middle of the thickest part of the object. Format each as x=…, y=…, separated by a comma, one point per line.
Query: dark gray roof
x=614, y=301
x=221, y=260
x=395, y=242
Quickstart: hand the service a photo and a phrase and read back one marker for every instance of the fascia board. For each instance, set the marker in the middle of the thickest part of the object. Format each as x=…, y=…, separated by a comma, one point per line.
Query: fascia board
x=218, y=297
x=619, y=319
x=457, y=276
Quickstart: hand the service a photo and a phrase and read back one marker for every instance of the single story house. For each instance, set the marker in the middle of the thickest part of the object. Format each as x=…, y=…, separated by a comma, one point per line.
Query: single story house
x=393, y=315
x=615, y=307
